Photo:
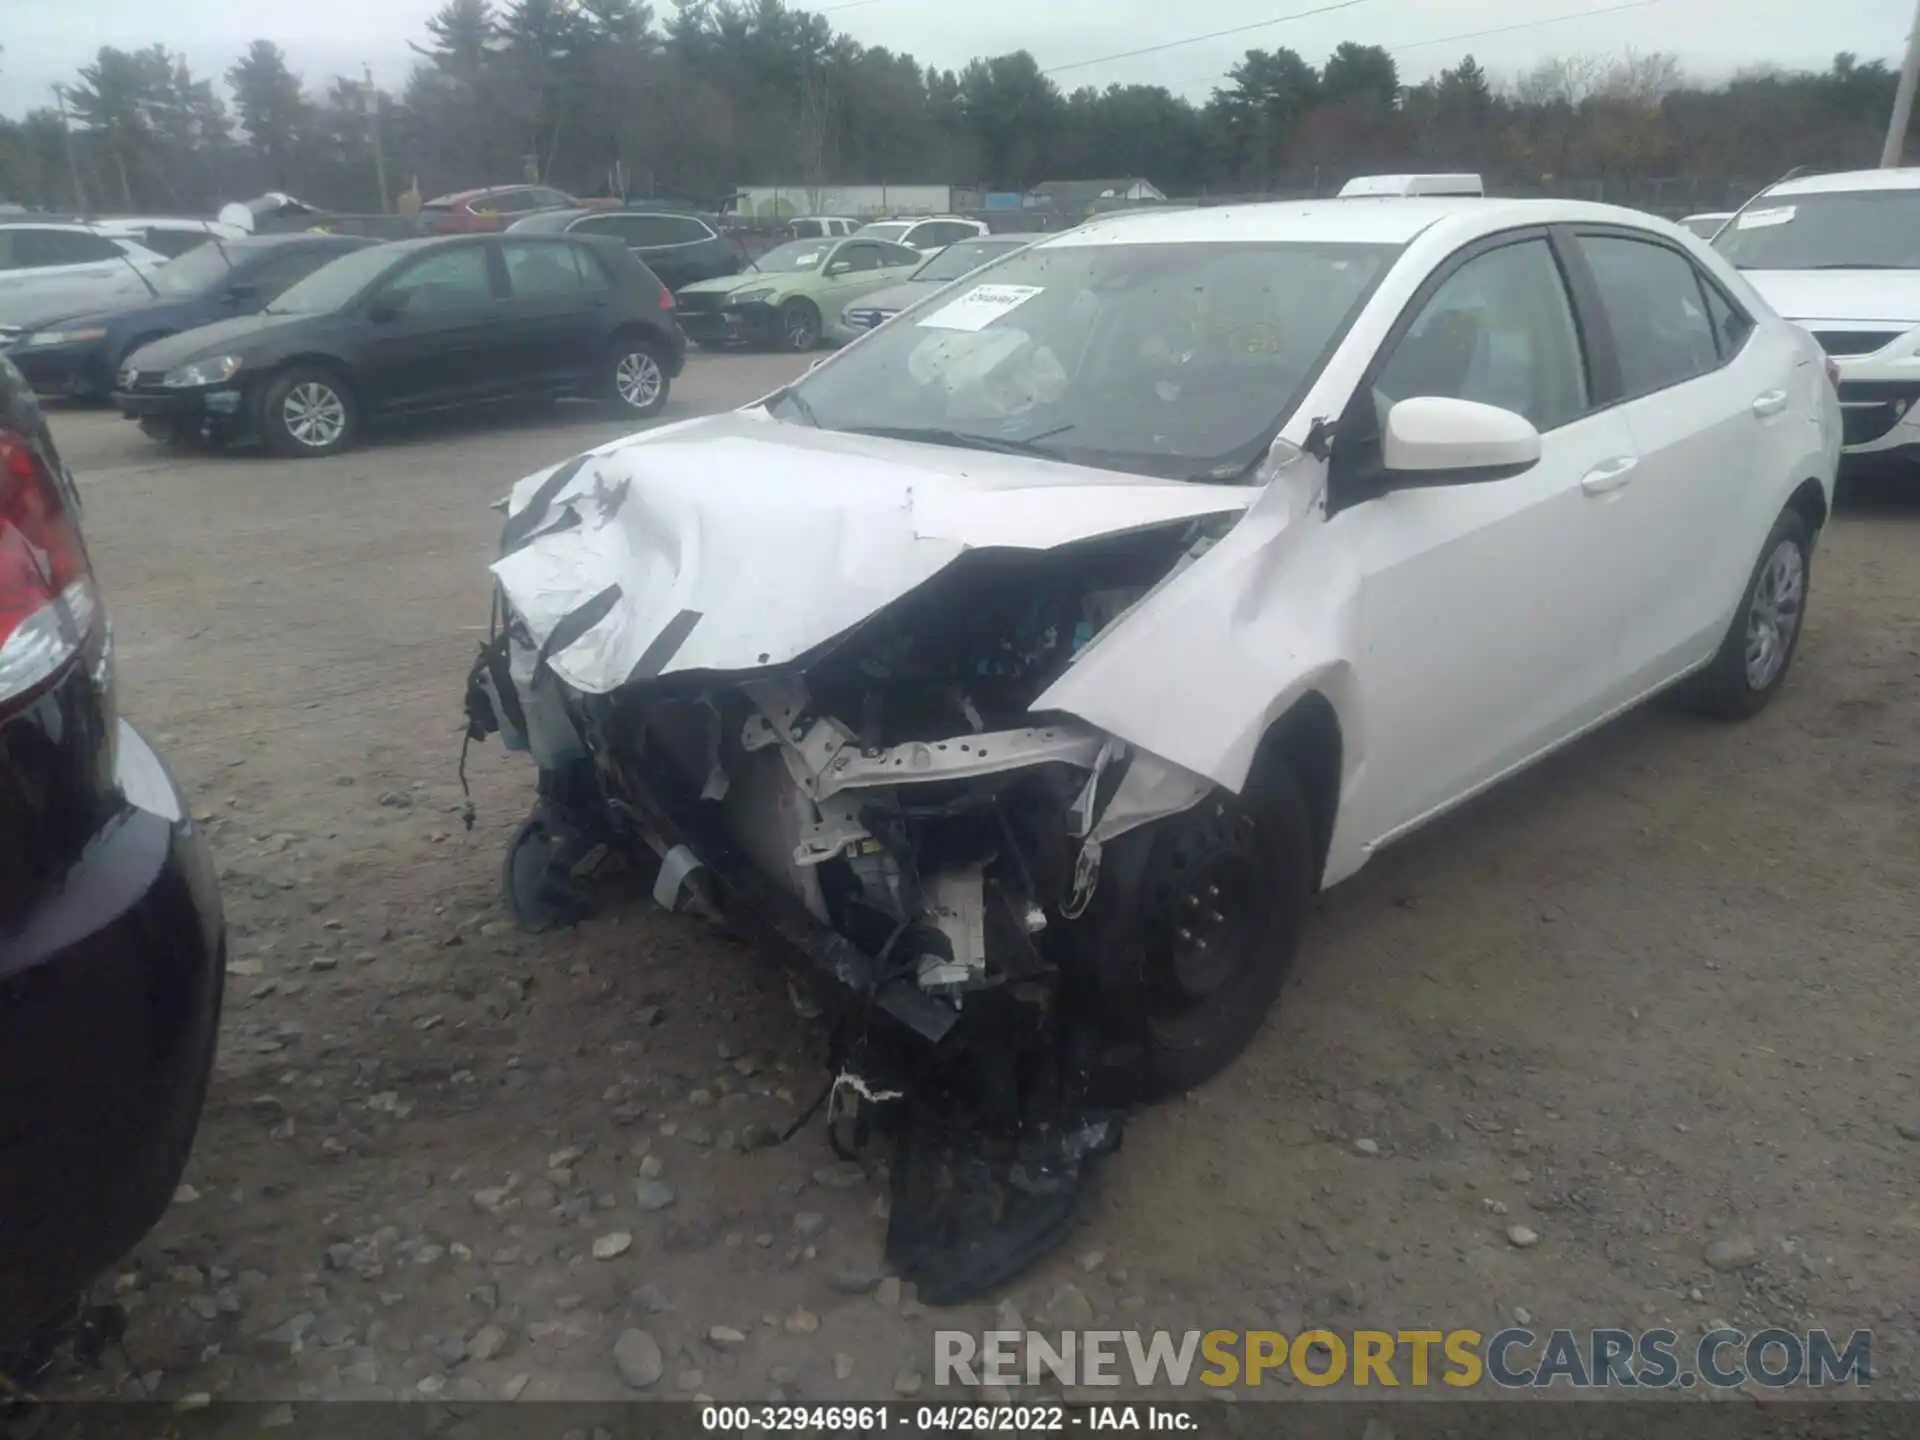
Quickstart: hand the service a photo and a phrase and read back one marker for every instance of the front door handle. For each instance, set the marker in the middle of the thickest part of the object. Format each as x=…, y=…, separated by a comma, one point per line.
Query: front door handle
x=1771, y=403
x=1609, y=475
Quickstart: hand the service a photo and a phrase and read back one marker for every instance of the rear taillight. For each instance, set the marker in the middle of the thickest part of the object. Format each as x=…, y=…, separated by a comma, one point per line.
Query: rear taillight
x=1833, y=371
x=47, y=603
x=666, y=298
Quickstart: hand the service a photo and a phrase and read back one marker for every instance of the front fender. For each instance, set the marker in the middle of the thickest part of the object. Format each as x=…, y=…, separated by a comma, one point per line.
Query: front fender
x=1204, y=666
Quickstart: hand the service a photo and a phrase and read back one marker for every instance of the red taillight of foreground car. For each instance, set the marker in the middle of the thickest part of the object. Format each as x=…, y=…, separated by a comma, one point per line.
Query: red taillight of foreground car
x=666, y=298
x=47, y=602
x=1833, y=372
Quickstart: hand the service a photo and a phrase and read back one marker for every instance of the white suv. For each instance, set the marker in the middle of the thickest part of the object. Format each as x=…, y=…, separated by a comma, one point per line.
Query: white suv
x=48, y=255
x=935, y=232
x=1840, y=255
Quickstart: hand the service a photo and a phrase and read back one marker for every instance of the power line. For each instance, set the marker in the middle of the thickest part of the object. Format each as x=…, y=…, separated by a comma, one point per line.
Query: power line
x=1468, y=35
x=1211, y=35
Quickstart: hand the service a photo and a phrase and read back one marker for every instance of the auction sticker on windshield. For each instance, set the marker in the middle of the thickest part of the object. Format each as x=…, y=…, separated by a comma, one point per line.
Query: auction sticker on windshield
x=980, y=307
x=1761, y=219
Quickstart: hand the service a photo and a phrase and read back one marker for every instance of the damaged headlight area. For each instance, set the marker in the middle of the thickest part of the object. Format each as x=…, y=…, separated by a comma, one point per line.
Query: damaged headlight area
x=996, y=912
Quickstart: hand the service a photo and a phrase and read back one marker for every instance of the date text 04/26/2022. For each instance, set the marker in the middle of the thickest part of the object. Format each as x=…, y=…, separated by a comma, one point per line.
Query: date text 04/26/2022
x=998, y=1419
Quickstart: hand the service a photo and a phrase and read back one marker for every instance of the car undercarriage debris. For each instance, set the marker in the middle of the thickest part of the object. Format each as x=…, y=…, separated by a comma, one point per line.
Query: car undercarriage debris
x=889, y=816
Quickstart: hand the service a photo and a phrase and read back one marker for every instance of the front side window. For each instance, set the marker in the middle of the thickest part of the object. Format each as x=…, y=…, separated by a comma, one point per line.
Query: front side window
x=1499, y=330
x=886, y=229
x=795, y=257
x=1171, y=360
x=171, y=243
x=1656, y=310
x=452, y=280
x=1826, y=230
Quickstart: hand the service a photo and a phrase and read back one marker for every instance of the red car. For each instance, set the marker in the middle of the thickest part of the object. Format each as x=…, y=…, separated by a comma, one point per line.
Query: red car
x=496, y=207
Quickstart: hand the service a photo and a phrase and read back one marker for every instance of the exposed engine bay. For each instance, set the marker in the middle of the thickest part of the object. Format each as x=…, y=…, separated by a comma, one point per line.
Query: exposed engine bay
x=888, y=815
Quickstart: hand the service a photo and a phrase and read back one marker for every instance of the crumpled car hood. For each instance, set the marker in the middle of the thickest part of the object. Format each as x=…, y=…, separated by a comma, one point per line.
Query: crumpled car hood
x=738, y=542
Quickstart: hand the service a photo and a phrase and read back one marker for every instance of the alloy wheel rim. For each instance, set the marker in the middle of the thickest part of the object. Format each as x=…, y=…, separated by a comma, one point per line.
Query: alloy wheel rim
x=315, y=415
x=800, y=330
x=638, y=379
x=1773, y=618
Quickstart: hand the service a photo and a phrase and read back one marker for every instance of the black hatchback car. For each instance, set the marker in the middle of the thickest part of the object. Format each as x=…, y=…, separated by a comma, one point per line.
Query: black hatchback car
x=680, y=249
x=112, y=941
x=77, y=356
x=414, y=326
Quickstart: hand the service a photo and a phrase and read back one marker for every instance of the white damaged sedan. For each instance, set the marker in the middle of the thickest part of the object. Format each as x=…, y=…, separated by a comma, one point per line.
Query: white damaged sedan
x=1019, y=673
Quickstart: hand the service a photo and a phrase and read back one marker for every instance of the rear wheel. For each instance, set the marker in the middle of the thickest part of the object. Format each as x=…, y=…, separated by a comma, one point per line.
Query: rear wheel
x=308, y=412
x=799, y=326
x=1751, y=664
x=1224, y=894
x=637, y=382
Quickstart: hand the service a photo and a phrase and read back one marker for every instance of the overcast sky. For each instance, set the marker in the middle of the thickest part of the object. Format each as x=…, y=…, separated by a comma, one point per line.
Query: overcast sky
x=46, y=41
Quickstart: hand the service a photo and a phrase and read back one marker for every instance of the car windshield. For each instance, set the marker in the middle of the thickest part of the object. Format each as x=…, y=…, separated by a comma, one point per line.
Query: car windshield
x=886, y=229
x=334, y=283
x=191, y=273
x=794, y=256
x=956, y=260
x=1173, y=360
x=1832, y=230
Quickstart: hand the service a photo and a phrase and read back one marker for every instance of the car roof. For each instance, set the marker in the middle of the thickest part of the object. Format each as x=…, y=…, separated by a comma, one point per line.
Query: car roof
x=461, y=197
x=76, y=227
x=1389, y=220
x=1894, y=178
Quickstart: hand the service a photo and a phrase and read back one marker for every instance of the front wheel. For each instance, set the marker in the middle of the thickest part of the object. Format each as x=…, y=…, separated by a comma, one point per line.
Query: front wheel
x=307, y=412
x=637, y=382
x=1222, y=899
x=799, y=326
x=1751, y=664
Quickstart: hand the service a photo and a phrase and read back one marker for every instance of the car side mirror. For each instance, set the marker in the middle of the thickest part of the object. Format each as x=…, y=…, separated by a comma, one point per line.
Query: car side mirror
x=242, y=292
x=1437, y=440
x=387, y=309
x=838, y=267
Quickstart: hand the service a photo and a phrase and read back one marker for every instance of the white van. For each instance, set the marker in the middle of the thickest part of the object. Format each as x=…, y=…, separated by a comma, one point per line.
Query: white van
x=1374, y=185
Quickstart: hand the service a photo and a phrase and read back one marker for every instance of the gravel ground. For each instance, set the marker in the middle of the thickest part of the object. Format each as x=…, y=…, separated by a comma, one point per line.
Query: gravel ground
x=1656, y=997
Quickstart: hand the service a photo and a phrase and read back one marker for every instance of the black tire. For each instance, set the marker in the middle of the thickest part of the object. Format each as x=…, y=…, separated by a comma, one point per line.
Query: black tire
x=1754, y=657
x=1213, y=970
x=799, y=326
x=331, y=415
x=637, y=382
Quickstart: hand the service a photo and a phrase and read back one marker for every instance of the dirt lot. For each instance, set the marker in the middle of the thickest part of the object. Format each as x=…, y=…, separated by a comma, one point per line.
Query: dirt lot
x=1657, y=996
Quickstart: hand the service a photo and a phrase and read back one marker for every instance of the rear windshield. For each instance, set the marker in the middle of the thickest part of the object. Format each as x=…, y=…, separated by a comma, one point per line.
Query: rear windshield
x=1832, y=230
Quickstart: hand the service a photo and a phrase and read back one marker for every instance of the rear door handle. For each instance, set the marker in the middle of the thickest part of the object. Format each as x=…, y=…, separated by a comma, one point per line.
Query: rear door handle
x=1609, y=475
x=1771, y=403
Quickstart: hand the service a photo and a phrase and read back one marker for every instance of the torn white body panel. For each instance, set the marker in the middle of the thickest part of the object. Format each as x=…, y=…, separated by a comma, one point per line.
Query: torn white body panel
x=733, y=544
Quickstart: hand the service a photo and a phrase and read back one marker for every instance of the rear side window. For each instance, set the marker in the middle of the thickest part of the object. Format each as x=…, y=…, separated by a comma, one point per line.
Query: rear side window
x=556, y=269
x=1498, y=330
x=1731, y=326
x=683, y=230
x=1656, y=310
x=34, y=247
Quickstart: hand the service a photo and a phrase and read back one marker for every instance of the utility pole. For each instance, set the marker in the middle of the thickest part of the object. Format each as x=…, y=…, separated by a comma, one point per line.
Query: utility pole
x=73, y=164
x=373, y=120
x=1903, y=99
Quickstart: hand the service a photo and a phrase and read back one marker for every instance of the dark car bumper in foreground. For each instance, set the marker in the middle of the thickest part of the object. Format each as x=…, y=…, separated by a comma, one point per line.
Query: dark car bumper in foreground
x=79, y=371
x=220, y=406
x=110, y=997
x=730, y=324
